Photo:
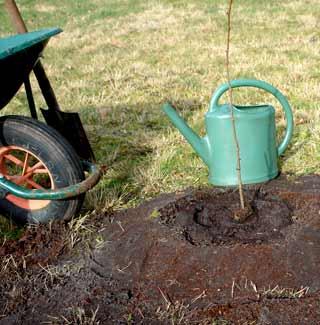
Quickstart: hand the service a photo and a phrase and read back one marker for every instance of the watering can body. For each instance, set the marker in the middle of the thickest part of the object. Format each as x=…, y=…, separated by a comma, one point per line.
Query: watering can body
x=255, y=131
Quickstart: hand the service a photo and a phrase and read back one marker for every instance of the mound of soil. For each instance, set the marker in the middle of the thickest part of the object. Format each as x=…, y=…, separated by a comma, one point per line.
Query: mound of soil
x=185, y=258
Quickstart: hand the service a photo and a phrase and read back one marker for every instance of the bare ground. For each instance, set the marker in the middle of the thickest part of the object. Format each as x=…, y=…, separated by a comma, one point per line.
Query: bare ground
x=178, y=259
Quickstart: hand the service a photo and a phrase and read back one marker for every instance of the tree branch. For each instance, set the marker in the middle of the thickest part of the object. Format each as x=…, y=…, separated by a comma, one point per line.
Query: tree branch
x=231, y=108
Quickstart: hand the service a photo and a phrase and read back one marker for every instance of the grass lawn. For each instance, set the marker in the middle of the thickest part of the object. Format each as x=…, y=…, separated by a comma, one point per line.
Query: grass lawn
x=118, y=61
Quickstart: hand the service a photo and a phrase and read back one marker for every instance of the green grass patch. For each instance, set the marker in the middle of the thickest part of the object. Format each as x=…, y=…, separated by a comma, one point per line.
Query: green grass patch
x=8, y=230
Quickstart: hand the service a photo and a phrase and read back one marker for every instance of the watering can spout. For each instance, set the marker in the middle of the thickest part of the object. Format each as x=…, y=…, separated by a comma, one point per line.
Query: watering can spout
x=200, y=145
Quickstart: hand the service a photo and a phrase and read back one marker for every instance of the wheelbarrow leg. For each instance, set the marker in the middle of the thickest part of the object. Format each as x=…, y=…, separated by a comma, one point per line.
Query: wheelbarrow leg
x=31, y=103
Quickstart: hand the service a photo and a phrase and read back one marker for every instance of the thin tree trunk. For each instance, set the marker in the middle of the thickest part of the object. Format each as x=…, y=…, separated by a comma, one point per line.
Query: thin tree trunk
x=231, y=109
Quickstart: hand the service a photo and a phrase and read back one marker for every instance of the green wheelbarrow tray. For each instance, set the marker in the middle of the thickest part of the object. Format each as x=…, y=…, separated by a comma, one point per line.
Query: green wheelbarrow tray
x=18, y=55
x=95, y=173
x=13, y=44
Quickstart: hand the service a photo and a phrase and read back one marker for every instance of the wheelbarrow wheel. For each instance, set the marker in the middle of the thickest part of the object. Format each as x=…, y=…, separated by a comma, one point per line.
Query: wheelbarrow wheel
x=35, y=156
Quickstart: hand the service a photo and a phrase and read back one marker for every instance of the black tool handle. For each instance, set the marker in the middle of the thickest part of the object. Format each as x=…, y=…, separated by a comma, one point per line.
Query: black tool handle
x=38, y=69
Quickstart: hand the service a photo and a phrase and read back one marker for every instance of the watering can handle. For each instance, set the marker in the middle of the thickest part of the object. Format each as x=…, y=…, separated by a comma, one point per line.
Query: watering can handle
x=268, y=88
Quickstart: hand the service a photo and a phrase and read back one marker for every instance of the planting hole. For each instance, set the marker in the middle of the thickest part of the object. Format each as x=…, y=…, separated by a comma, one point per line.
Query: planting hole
x=209, y=219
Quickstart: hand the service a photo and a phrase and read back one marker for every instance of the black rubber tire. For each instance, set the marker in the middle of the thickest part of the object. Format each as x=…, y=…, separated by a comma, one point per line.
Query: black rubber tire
x=57, y=155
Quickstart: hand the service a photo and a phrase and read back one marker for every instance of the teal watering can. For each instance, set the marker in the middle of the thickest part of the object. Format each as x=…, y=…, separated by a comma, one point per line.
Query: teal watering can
x=256, y=133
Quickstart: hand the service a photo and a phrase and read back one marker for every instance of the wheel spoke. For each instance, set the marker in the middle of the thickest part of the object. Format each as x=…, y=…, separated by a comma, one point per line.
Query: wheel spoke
x=34, y=167
x=40, y=171
x=26, y=163
x=30, y=171
x=34, y=184
x=12, y=178
x=20, y=179
x=14, y=159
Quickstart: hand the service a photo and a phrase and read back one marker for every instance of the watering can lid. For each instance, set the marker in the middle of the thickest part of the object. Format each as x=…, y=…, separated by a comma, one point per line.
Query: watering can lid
x=13, y=44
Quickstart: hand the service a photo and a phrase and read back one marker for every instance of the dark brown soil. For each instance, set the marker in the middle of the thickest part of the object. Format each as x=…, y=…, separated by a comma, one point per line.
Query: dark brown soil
x=207, y=218
x=39, y=245
x=183, y=258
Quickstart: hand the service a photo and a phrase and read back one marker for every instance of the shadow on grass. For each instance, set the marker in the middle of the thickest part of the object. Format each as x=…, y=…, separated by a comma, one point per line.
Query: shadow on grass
x=127, y=137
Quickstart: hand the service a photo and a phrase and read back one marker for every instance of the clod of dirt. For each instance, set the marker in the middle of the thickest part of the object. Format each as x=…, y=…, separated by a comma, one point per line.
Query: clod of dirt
x=41, y=244
x=208, y=219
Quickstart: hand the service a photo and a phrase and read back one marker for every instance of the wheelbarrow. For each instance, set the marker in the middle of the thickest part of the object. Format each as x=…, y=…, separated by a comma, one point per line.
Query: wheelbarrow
x=42, y=177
